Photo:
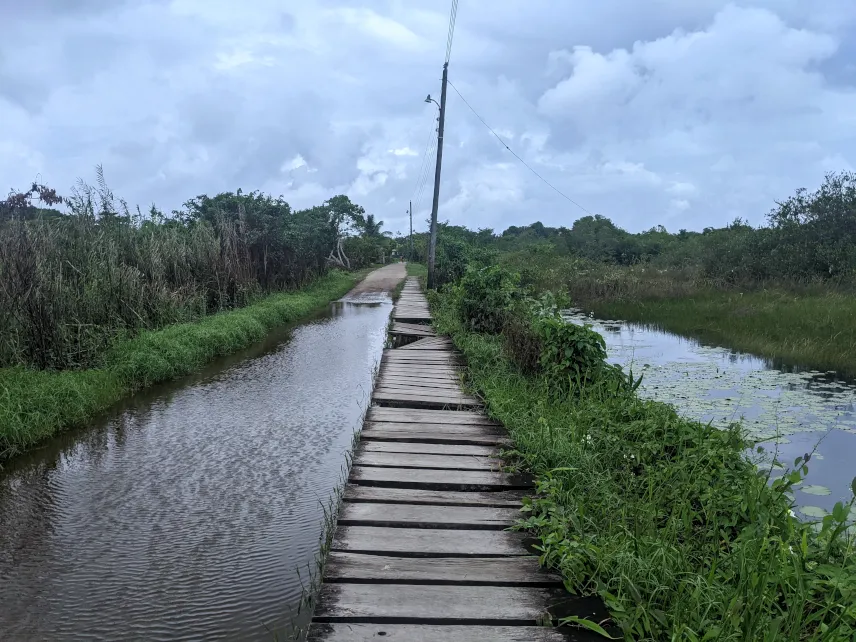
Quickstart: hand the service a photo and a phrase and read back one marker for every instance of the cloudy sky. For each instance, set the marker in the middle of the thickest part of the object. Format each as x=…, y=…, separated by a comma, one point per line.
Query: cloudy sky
x=675, y=112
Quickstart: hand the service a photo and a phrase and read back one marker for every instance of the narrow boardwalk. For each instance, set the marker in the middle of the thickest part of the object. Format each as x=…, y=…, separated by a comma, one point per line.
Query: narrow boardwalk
x=421, y=552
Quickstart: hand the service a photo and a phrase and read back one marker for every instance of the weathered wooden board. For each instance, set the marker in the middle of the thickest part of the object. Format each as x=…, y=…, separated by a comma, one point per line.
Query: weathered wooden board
x=425, y=391
x=418, y=604
x=498, y=571
x=446, y=378
x=427, y=449
x=422, y=542
x=500, y=499
x=428, y=479
x=427, y=516
x=438, y=399
x=473, y=429
x=443, y=385
x=421, y=460
x=426, y=385
x=437, y=437
x=407, y=415
x=354, y=632
x=421, y=355
x=429, y=344
x=453, y=374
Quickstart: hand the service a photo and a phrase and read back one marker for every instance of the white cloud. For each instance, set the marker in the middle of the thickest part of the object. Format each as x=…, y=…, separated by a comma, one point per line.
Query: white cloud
x=633, y=118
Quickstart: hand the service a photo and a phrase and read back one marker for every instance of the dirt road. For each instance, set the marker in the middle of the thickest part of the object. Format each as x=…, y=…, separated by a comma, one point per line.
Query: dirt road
x=376, y=284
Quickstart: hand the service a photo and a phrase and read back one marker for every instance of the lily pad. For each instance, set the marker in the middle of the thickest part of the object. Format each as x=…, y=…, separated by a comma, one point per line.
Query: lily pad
x=813, y=511
x=815, y=489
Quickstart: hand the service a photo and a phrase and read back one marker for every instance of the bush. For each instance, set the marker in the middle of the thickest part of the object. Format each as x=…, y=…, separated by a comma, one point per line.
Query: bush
x=485, y=296
x=520, y=341
x=569, y=350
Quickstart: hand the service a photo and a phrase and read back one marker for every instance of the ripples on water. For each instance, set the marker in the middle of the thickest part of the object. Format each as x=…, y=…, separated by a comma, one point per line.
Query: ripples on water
x=189, y=513
x=795, y=411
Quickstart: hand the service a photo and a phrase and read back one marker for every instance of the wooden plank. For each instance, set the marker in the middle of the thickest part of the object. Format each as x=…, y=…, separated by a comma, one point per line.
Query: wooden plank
x=500, y=499
x=457, y=571
x=429, y=353
x=422, y=371
x=420, y=460
x=437, y=437
x=389, y=381
x=472, y=429
x=402, y=603
x=408, y=415
x=427, y=516
x=430, y=479
x=421, y=542
x=436, y=343
x=422, y=401
x=424, y=396
x=356, y=632
x=428, y=449
x=420, y=355
x=419, y=382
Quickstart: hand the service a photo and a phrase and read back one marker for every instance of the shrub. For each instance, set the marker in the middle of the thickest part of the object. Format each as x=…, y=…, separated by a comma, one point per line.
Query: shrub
x=485, y=296
x=569, y=350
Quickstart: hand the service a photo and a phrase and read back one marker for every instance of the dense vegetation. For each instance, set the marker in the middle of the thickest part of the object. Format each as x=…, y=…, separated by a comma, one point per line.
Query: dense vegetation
x=98, y=300
x=784, y=290
x=73, y=283
x=667, y=519
x=35, y=404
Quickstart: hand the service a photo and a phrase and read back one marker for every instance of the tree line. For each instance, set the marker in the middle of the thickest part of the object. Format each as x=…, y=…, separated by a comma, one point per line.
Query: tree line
x=79, y=272
x=809, y=237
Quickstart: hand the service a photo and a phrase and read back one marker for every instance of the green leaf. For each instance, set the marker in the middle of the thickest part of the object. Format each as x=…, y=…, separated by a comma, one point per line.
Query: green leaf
x=587, y=624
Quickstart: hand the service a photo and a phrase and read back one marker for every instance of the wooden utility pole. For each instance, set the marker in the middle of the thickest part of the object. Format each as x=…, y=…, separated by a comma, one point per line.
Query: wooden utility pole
x=432, y=244
x=410, y=258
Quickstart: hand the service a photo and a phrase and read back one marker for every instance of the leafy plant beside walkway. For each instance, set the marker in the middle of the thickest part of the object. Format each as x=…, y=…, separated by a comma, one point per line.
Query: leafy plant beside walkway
x=668, y=520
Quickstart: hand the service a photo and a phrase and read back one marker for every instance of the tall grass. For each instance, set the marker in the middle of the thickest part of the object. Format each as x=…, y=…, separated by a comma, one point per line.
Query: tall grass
x=813, y=330
x=71, y=283
x=805, y=324
x=36, y=404
x=664, y=518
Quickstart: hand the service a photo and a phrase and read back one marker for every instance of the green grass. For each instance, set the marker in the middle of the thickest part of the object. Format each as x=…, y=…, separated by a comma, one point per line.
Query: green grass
x=664, y=518
x=811, y=330
x=36, y=404
x=417, y=269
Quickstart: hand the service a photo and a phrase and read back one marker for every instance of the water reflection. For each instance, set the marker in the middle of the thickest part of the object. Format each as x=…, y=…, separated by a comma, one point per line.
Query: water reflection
x=188, y=513
x=793, y=412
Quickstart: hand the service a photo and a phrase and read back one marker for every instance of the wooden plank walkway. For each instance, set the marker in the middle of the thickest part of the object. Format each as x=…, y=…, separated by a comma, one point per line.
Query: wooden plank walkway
x=412, y=306
x=421, y=551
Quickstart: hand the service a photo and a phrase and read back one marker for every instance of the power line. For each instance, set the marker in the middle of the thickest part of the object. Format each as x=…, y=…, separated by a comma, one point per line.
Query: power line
x=426, y=174
x=452, y=17
x=513, y=153
x=430, y=143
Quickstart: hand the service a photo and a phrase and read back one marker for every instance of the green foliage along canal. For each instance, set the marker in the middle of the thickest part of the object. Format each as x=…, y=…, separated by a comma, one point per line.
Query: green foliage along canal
x=790, y=412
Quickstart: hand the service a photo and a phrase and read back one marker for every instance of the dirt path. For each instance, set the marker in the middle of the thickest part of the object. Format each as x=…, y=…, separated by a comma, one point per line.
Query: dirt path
x=377, y=283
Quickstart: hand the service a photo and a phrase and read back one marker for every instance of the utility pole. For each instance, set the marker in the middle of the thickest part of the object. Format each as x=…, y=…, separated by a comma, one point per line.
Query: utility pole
x=432, y=244
x=410, y=258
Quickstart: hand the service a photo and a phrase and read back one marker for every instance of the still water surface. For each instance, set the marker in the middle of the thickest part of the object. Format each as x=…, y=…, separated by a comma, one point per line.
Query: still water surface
x=792, y=412
x=188, y=513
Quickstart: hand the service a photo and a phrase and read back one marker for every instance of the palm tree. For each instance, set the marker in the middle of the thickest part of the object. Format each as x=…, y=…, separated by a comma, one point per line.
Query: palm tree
x=371, y=228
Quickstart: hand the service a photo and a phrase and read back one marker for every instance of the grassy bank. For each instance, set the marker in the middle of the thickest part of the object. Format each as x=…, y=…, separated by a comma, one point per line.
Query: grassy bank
x=664, y=518
x=814, y=330
x=36, y=404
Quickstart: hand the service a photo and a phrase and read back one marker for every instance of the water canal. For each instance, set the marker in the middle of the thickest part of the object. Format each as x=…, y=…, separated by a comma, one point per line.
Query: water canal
x=195, y=510
x=793, y=412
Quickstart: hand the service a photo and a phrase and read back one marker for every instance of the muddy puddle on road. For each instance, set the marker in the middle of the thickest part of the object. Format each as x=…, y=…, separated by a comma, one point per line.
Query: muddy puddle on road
x=189, y=512
x=795, y=412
